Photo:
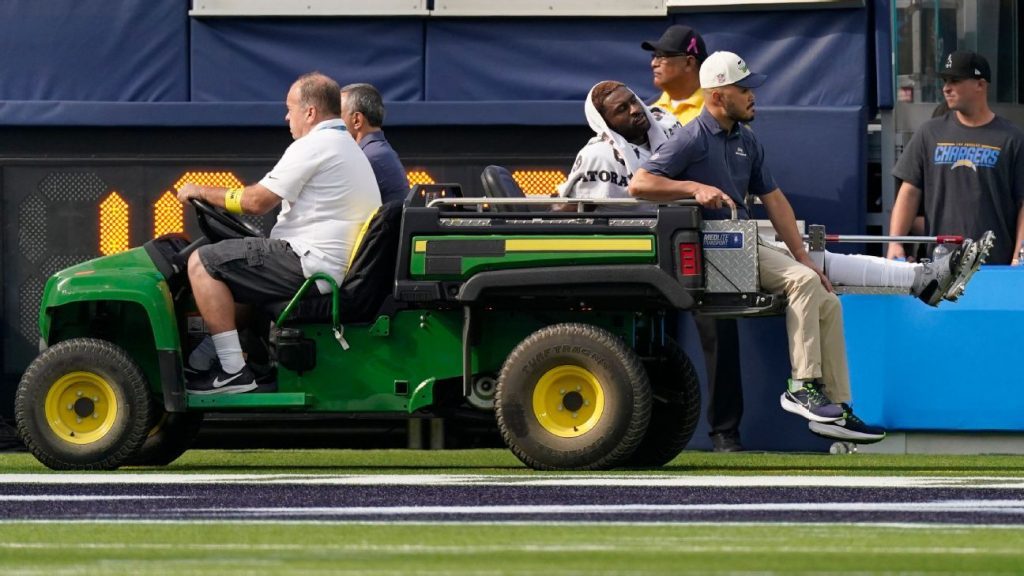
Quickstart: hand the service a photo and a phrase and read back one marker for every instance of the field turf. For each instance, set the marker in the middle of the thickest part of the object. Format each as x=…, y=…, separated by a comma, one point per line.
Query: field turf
x=563, y=548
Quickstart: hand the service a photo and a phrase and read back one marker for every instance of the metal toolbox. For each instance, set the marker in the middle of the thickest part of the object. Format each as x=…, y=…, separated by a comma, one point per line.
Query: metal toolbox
x=730, y=256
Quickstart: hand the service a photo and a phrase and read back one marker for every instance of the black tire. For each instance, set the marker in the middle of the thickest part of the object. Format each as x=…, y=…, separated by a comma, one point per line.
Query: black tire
x=170, y=436
x=83, y=404
x=675, y=410
x=596, y=426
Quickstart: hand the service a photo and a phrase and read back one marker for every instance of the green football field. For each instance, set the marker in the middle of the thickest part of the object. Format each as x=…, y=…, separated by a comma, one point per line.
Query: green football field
x=286, y=548
x=307, y=547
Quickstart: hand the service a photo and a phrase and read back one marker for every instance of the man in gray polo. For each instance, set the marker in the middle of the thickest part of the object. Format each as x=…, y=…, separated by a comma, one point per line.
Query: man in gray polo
x=717, y=160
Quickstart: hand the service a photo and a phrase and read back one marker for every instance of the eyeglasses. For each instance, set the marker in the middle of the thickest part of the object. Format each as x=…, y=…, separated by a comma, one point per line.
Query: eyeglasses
x=662, y=56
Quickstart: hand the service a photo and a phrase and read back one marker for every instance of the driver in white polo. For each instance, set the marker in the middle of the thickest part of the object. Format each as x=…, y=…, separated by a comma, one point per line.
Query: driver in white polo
x=326, y=189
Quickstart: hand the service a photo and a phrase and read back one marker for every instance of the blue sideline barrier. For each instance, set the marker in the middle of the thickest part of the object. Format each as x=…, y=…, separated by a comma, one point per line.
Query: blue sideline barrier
x=951, y=368
x=912, y=367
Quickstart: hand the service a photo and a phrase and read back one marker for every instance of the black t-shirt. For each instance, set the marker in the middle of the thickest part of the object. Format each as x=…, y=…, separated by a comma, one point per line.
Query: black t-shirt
x=971, y=179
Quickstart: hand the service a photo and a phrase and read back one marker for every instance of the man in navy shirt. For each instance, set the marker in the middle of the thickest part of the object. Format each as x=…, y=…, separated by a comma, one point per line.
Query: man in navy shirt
x=717, y=160
x=362, y=109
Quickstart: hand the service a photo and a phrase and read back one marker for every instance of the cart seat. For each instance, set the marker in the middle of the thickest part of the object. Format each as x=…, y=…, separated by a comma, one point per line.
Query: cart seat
x=370, y=278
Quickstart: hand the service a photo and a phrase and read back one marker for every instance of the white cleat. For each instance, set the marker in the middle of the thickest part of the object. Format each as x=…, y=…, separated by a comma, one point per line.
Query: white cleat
x=972, y=257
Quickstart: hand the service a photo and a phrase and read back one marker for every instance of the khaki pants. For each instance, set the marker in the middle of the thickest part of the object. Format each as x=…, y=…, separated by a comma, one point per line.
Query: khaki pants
x=814, y=321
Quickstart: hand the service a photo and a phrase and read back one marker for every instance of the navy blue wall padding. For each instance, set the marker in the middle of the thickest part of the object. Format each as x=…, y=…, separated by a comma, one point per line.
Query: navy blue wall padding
x=256, y=60
x=535, y=59
x=817, y=156
x=109, y=50
x=84, y=66
x=882, y=14
x=262, y=114
x=813, y=58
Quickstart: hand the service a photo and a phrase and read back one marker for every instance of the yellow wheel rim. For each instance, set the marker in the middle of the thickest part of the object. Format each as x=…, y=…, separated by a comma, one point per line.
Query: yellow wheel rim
x=81, y=407
x=568, y=401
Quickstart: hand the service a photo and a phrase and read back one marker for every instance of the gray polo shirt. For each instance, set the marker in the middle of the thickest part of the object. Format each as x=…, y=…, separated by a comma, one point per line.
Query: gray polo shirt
x=703, y=152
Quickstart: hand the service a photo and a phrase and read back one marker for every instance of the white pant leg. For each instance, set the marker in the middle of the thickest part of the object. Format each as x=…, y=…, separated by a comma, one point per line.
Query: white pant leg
x=860, y=270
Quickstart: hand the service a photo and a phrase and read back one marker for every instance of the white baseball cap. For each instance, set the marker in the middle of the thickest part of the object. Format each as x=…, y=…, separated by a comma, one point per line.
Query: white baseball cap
x=725, y=68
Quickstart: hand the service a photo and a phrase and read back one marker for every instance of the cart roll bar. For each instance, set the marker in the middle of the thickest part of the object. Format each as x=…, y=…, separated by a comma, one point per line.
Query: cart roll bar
x=543, y=201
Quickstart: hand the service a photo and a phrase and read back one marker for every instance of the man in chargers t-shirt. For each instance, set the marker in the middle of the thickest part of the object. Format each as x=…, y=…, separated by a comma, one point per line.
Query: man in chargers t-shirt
x=966, y=166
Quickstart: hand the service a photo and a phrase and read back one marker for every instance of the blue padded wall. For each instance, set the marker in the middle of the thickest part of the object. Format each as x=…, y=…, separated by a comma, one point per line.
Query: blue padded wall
x=110, y=50
x=884, y=73
x=948, y=368
x=256, y=60
x=534, y=59
x=814, y=58
x=817, y=156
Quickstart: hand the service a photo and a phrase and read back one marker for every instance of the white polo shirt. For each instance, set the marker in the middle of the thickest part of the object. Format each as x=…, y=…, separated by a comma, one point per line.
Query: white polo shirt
x=327, y=191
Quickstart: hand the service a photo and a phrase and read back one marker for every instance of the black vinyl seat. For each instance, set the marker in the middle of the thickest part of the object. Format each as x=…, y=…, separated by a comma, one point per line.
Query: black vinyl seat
x=370, y=278
x=499, y=183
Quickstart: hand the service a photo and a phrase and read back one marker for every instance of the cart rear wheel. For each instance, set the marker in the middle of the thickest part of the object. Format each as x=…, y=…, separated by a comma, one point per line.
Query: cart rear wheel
x=675, y=410
x=572, y=397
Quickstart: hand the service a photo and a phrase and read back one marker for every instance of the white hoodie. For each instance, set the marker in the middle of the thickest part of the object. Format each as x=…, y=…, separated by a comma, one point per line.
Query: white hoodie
x=604, y=167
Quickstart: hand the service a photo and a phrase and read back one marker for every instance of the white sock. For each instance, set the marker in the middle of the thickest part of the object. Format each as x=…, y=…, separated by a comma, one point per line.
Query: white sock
x=229, y=351
x=860, y=270
x=202, y=357
x=796, y=384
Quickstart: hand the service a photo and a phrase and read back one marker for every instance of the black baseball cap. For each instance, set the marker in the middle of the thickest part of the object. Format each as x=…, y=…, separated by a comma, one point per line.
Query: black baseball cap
x=679, y=40
x=966, y=64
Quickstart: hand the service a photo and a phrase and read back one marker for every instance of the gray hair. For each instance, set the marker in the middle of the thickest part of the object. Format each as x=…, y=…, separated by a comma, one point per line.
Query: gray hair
x=366, y=100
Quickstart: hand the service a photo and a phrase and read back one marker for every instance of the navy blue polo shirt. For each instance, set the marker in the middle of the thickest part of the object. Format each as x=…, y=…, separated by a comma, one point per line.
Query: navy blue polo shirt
x=703, y=152
x=388, y=169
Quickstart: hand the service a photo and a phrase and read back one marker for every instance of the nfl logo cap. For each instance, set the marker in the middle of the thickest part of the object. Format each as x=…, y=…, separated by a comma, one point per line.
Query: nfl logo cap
x=725, y=68
x=678, y=40
x=966, y=64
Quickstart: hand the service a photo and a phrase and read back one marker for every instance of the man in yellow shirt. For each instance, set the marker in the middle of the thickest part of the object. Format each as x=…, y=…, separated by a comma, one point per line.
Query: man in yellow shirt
x=675, y=61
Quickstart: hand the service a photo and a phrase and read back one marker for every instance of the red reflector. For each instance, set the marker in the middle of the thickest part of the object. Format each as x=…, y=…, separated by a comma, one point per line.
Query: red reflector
x=689, y=259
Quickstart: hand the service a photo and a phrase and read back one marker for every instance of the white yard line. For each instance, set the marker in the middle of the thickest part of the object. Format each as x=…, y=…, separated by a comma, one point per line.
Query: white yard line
x=681, y=545
x=823, y=525
x=76, y=497
x=525, y=480
x=949, y=506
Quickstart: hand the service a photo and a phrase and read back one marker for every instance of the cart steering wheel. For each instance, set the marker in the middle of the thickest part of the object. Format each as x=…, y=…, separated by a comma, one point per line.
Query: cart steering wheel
x=219, y=224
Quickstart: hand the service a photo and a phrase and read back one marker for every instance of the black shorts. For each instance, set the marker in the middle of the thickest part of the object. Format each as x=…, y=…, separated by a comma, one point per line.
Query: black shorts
x=256, y=270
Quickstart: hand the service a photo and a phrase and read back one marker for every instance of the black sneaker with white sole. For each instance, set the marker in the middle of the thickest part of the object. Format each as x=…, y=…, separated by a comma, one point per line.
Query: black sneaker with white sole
x=217, y=381
x=849, y=428
x=811, y=403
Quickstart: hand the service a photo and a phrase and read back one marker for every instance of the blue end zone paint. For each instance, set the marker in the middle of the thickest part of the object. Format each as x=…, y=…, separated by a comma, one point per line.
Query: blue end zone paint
x=496, y=503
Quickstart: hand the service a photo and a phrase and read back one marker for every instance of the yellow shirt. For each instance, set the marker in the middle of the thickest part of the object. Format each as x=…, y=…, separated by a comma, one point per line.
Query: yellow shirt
x=685, y=110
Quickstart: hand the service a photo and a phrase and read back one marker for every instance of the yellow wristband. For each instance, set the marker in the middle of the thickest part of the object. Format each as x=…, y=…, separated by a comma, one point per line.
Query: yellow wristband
x=233, y=200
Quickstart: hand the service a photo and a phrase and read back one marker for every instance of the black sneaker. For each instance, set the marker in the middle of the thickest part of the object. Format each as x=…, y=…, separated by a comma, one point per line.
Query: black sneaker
x=849, y=428
x=728, y=441
x=217, y=381
x=192, y=374
x=811, y=403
